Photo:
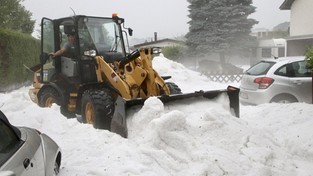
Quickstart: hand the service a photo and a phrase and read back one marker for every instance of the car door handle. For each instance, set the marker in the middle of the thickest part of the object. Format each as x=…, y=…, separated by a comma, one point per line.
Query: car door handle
x=298, y=82
x=26, y=163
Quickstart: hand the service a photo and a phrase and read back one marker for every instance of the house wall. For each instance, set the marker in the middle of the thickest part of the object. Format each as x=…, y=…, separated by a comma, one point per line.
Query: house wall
x=298, y=47
x=162, y=44
x=301, y=15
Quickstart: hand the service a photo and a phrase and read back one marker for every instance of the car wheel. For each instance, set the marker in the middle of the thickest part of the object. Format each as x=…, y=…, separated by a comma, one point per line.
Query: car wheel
x=284, y=98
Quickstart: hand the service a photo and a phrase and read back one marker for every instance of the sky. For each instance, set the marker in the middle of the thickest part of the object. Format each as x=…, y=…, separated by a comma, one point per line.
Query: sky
x=168, y=18
x=183, y=138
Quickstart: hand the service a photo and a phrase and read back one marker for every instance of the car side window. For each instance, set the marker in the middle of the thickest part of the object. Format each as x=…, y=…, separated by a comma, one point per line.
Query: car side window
x=282, y=71
x=301, y=70
x=9, y=142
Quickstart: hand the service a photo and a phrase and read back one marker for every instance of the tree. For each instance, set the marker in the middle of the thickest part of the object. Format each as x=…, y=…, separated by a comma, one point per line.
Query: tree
x=14, y=16
x=281, y=30
x=220, y=26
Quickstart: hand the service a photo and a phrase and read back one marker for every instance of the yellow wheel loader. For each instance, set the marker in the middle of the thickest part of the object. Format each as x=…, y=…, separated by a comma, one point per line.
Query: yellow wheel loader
x=100, y=79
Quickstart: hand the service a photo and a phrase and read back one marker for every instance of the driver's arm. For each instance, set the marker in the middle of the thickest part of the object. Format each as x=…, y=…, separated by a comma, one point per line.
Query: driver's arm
x=59, y=52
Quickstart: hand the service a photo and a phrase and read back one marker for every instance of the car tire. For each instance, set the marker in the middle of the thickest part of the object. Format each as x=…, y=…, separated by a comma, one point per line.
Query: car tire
x=284, y=98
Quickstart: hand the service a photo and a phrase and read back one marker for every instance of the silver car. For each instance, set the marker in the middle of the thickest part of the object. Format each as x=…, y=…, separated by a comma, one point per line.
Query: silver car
x=26, y=151
x=282, y=80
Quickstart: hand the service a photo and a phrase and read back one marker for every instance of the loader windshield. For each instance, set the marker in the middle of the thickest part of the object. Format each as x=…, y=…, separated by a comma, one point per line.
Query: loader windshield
x=103, y=34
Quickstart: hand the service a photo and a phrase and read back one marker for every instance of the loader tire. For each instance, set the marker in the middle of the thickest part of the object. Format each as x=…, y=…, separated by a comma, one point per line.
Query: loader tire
x=67, y=113
x=48, y=97
x=98, y=108
x=174, y=89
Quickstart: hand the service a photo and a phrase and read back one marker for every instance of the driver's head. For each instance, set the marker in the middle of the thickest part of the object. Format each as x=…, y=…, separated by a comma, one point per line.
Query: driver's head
x=69, y=30
x=71, y=36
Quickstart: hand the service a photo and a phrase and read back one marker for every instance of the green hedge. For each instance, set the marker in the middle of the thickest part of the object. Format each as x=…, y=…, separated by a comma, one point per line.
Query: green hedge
x=16, y=50
x=173, y=52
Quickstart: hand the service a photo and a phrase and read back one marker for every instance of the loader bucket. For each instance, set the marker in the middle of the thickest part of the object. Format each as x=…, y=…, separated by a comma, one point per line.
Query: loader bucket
x=119, y=125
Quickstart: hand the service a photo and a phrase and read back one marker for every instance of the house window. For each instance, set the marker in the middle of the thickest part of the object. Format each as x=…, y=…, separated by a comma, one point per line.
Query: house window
x=266, y=52
x=281, y=52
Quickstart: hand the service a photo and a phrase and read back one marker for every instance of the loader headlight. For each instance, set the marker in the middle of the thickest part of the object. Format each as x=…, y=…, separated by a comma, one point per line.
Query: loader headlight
x=91, y=53
x=156, y=50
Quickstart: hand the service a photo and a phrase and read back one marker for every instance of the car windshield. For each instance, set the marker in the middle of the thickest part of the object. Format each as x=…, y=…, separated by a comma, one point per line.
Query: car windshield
x=260, y=68
x=102, y=33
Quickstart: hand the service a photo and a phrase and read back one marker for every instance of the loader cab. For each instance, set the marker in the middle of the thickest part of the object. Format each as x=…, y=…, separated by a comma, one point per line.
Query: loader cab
x=95, y=36
x=54, y=35
x=105, y=35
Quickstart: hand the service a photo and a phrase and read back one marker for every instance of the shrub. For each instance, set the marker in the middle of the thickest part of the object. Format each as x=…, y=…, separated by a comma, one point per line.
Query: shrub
x=16, y=50
x=309, y=57
x=173, y=52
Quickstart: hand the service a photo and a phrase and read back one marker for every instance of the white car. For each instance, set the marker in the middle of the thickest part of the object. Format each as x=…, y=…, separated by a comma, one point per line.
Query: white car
x=282, y=80
x=27, y=152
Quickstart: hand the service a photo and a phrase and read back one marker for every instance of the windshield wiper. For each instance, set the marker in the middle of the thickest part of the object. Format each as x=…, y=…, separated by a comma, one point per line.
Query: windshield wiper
x=248, y=73
x=116, y=43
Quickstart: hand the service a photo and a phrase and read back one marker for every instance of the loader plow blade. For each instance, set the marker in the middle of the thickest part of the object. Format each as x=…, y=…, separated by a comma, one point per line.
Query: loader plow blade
x=119, y=125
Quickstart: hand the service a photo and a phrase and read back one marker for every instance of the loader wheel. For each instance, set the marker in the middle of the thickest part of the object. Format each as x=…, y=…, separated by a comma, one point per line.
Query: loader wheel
x=98, y=108
x=48, y=97
x=66, y=113
x=174, y=89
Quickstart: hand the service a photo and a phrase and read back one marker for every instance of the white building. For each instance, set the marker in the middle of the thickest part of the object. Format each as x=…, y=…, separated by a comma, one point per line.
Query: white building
x=268, y=46
x=301, y=26
x=161, y=43
x=271, y=48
